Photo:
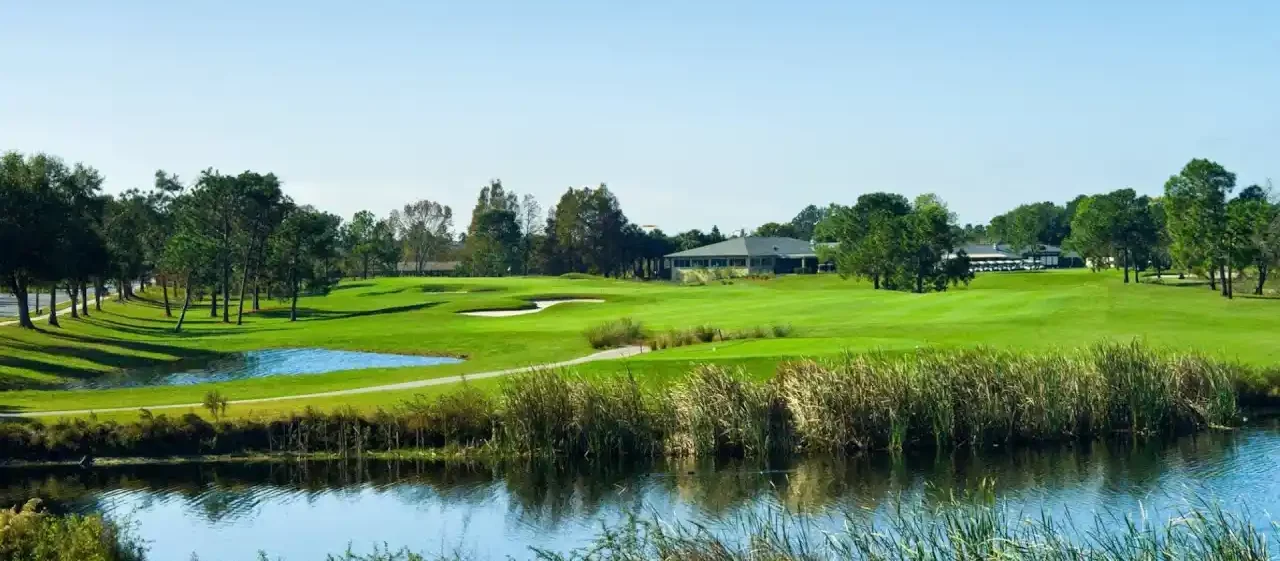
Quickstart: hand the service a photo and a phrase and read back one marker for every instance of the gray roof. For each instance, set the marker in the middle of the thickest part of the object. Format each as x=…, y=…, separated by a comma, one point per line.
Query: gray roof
x=752, y=246
x=1004, y=251
x=427, y=267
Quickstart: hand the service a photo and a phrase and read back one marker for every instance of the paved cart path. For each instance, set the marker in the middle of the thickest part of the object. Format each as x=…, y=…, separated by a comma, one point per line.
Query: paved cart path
x=611, y=354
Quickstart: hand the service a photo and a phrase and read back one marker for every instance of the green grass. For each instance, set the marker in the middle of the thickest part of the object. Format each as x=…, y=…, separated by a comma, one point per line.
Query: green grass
x=1028, y=311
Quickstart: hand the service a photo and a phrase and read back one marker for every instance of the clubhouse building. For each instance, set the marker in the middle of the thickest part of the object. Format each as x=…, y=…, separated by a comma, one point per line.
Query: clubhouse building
x=749, y=255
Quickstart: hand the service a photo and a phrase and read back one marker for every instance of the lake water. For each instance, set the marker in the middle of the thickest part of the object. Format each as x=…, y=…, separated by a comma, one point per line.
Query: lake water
x=256, y=364
x=305, y=511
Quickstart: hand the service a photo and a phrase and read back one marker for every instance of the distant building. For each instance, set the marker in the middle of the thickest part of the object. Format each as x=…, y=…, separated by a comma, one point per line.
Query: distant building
x=998, y=257
x=748, y=255
x=429, y=268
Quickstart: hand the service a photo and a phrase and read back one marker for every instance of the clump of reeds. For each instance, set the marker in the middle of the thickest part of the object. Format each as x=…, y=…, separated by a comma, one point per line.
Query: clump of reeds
x=616, y=333
x=551, y=413
x=722, y=412
x=983, y=396
x=29, y=532
x=709, y=334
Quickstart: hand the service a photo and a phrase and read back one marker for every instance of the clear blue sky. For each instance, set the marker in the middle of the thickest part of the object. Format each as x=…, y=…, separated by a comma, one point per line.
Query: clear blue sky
x=696, y=113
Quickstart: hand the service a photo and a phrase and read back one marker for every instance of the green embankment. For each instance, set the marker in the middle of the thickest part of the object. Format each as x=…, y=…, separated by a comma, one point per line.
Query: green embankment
x=1028, y=311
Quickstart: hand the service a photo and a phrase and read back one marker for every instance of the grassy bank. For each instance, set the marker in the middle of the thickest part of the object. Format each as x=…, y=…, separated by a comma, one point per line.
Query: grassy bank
x=1031, y=312
x=928, y=398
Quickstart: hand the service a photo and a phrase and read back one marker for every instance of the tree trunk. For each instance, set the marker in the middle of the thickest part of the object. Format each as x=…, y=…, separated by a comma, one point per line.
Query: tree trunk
x=164, y=289
x=1124, y=260
x=53, y=306
x=226, y=290
x=1222, y=278
x=1213, y=278
x=97, y=294
x=364, y=268
x=37, y=300
x=18, y=287
x=213, y=307
x=293, y=306
x=875, y=280
x=84, y=298
x=256, y=287
x=1262, y=278
x=142, y=283
x=244, y=283
x=186, y=303
x=72, y=293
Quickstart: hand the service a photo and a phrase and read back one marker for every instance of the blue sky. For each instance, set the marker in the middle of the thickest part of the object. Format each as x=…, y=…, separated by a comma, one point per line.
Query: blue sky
x=695, y=113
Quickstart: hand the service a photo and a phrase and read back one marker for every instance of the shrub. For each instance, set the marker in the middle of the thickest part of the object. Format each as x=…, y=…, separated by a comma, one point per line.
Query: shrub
x=707, y=334
x=31, y=533
x=616, y=333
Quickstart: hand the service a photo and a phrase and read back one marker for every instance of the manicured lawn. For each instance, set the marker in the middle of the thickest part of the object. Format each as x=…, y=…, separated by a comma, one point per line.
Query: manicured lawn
x=1036, y=311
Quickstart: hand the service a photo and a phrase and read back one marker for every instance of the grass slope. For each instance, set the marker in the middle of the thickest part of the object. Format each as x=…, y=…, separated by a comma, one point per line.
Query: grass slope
x=1030, y=311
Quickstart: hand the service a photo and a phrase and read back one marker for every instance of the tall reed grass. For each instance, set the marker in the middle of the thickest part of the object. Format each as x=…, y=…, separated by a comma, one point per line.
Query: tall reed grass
x=708, y=334
x=931, y=398
x=616, y=333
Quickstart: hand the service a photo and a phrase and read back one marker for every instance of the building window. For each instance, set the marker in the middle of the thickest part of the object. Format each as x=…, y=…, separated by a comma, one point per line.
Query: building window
x=766, y=262
x=737, y=262
x=697, y=262
x=717, y=262
x=682, y=263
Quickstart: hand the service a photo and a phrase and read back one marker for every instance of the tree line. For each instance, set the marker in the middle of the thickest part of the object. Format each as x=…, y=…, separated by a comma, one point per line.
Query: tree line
x=234, y=240
x=231, y=238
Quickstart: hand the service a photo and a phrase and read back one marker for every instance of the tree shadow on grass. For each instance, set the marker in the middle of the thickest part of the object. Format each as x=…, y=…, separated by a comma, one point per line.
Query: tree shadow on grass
x=189, y=329
x=100, y=354
x=350, y=286
x=313, y=314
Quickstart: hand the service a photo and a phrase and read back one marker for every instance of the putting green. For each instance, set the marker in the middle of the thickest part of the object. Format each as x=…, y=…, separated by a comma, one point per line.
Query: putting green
x=1035, y=311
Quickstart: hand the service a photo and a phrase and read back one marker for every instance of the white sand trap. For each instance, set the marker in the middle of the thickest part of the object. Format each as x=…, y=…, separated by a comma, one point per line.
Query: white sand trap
x=541, y=305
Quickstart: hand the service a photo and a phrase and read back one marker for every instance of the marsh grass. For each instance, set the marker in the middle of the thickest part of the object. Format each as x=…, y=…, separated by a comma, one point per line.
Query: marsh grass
x=710, y=334
x=958, y=530
x=926, y=399
x=616, y=333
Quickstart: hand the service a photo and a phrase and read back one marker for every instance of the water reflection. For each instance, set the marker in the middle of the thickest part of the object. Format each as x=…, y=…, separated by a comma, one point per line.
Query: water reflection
x=429, y=506
x=255, y=364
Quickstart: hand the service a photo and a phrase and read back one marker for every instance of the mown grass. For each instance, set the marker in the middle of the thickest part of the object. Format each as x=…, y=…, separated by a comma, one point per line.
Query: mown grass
x=925, y=399
x=1016, y=312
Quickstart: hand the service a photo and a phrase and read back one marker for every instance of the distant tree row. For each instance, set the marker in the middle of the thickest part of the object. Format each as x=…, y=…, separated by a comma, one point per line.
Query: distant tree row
x=895, y=243
x=1196, y=227
x=220, y=235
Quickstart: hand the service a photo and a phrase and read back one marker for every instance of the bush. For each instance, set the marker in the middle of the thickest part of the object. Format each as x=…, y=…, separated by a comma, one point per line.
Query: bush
x=616, y=333
x=29, y=533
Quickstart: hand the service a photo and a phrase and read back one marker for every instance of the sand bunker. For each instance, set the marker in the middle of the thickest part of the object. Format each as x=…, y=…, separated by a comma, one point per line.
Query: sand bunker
x=540, y=305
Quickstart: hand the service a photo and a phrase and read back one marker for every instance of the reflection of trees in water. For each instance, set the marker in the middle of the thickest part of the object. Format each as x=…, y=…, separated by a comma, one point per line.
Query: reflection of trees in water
x=547, y=495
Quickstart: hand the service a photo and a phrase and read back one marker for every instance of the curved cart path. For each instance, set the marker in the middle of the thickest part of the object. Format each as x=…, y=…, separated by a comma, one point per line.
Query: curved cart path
x=611, y=354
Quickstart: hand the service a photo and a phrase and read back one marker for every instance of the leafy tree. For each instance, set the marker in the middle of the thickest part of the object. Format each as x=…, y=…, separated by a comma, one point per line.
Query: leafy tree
x=1250, y=217
x=805, y=223
x=1195, y=205
x=895, y=244
x=493, y=243
x=531, y=227
x=776, y=230
x=191, y=250
x=425, y=228
x=587, y=232
x=304, y=242
x=29, y=225
x=359, y=240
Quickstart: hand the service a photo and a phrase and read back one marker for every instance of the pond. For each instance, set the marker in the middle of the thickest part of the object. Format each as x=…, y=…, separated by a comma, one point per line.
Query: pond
x=305, y=511
x=255, y=364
